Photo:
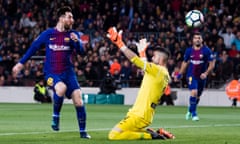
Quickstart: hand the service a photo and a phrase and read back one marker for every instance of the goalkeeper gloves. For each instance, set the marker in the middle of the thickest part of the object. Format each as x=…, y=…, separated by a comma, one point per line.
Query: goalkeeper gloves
x=116, y=37
x=142, y=47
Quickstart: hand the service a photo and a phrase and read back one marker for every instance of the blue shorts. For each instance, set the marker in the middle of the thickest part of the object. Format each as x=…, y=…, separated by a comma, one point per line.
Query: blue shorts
x=196, y=84
x=68, y=77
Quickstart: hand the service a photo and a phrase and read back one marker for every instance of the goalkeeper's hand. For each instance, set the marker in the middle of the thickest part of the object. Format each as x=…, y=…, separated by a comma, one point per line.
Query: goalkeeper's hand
x=116, y=37
x=142, y=47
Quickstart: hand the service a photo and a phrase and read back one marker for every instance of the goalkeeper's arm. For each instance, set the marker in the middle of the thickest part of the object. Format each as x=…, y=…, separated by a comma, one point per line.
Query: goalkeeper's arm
x=116, y=38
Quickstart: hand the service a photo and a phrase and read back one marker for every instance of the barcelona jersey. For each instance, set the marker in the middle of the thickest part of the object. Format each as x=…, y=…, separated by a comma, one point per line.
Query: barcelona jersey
x=59, y=48
x=198, y=60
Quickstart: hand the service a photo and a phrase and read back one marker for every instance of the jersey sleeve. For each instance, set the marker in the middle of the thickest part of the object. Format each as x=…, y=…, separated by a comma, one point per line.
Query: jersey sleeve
x=37, y=43
x=187, y=54
x=210, y=55
x=78, y=45
x=148, y=67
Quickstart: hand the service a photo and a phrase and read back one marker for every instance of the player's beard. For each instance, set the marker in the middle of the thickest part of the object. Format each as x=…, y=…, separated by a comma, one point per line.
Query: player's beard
x=67, y=27
x=198, y=44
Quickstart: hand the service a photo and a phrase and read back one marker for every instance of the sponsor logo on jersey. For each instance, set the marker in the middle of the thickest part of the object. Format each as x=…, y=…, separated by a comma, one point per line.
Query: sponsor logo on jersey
x=59, y=47
x=52, y=38
x=196, y=62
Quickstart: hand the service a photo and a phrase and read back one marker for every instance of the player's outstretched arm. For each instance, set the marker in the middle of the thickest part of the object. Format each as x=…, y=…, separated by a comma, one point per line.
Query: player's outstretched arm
x=16, y=69
x=75, y=37
x=142, y=47
x=40, y=40
x=182, y=71
x=116, y=38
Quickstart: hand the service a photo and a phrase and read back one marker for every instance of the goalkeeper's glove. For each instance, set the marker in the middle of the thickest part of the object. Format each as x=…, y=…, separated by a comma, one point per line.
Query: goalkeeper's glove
x=142, y=47
x=116, y=37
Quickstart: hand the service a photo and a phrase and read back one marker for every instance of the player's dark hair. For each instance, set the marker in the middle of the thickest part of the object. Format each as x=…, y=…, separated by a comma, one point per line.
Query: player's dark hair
x=61, y=11
x=196, y=33
x=163, y=50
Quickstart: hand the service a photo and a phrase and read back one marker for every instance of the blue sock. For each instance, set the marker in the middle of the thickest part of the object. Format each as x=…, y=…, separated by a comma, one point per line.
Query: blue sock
x=81, y=117
x=193, y=105
x=57, y=105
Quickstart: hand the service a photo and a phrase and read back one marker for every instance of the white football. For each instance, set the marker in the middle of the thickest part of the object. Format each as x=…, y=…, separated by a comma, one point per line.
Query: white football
x=194, y=18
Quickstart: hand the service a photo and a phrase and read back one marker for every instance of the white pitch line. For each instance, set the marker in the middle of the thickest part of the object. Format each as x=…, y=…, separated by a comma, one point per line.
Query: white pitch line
x=107, y=129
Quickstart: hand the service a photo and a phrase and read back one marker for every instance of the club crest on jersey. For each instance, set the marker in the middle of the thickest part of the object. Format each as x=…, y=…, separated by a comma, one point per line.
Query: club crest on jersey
x=201, y=56
x=66, y=39
x=50, y=81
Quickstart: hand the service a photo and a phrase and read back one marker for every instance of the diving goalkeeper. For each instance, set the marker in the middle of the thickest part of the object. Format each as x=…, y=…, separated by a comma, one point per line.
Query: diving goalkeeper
x=155, y=80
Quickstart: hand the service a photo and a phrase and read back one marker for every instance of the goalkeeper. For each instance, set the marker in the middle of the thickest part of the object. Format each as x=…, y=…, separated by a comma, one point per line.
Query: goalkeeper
x=155, y=80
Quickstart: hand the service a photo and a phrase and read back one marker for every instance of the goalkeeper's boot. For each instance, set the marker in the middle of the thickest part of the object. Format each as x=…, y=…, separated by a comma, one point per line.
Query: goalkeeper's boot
x=55, y=123
x=85, y=135
x=165, y=133
x=155, y=135
x=188, y=116
x=195, y=118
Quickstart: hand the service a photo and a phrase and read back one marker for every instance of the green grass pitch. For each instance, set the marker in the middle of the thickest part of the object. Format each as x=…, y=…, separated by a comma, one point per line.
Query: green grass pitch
x=30, y=124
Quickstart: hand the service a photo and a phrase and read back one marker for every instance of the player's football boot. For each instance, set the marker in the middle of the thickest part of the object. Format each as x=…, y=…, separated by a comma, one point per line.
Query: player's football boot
x=165, y=133
x=55, y=123
x=195, y=118
x=155, y=135
x=188, y=116
x=85, y=135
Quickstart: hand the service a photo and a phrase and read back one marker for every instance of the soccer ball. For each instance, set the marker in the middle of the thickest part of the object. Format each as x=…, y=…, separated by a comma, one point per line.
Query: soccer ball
x=194, y=18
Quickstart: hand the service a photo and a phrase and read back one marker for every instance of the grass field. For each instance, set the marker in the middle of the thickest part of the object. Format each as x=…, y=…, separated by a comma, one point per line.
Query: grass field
x=30, y=124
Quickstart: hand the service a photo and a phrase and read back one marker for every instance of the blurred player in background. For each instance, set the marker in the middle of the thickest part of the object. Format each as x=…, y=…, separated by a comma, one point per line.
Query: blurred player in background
x=233, y=90
x=198, y=60
x=60, y=42
x=155, y=80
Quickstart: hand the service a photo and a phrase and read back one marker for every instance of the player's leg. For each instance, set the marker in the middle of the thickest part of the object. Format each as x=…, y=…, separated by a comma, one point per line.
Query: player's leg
x=193, y=104
x=75, y=93
x=132, y=128
x=58, y=97
x=201, y=86
x=165, y=133
x=59, y=89
x=192, y=84
x=81, y=113
x=126, y=130
x=128, y=135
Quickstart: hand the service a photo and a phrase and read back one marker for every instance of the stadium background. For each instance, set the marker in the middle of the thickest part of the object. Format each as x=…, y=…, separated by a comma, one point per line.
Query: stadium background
x=161, y=22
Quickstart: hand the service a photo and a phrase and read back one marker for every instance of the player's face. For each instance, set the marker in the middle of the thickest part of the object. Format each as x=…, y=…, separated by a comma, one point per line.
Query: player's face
x=157, y=57
x=68, y=20
x=197, y=40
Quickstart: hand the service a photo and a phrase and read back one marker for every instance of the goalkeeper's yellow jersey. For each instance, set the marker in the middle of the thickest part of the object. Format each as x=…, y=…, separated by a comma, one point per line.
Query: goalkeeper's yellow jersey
x=154, y=82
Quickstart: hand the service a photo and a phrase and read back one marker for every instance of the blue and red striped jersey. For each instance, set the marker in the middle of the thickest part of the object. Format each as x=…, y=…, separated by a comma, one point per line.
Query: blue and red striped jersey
x=59, y=48
x=198, y=60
